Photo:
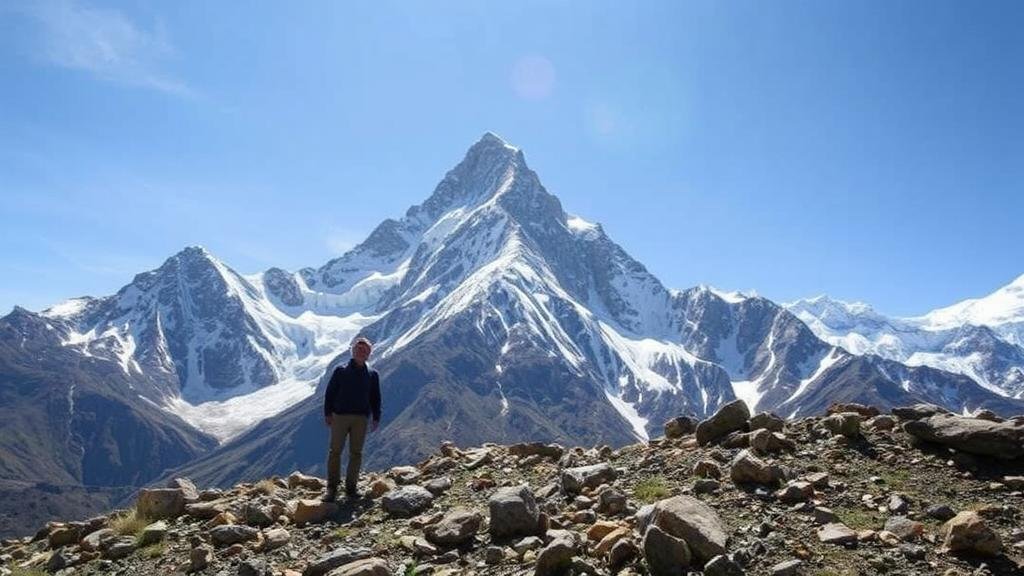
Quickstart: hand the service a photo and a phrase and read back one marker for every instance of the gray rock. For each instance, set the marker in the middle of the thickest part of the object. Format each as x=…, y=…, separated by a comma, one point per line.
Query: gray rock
x=153, y=533
x=746, y=468
x=611, y=502
x=557, y=555
x=95, y=541
x=730, y=418
x=275, y=538
x=338, y=557
x=553, y=451
x=199, y=558
x=767, y=421
x=904, y=528
x=229, y=534
x=666, y=555
x=119, y=547
x=513, y=511
x=722, y=566
x=254, y=567
x=765, y=441
x=844, y=423
x=576, y=479
x=1001, y=440
x=623, y=551
x=258, y=515
x=694, y=522
x=680, y=426
x=406, y=501
x=787, y=568
x=364, y=567
x=918, y=411
x=836, y=533
x=940, y=512
x=438, y=486
x=456, y=527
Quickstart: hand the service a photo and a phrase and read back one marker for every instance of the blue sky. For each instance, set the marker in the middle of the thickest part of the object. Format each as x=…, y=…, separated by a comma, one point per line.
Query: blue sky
x=869, y=150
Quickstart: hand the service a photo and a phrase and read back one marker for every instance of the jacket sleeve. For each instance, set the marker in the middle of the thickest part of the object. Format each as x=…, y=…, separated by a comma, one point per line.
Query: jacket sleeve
x=375, y=396
x=332, y=390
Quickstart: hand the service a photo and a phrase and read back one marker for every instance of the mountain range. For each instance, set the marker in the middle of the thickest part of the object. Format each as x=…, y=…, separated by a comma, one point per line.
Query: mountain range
x=497, y=316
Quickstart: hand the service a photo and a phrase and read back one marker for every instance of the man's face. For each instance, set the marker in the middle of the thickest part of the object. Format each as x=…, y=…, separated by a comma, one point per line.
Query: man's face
x=361, y=351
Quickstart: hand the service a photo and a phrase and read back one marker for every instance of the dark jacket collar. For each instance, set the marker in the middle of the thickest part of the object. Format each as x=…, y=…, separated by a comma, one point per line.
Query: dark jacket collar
x=353, y=366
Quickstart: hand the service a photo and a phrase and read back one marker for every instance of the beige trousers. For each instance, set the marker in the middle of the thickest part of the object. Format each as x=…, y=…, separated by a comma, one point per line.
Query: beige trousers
x=353, y=427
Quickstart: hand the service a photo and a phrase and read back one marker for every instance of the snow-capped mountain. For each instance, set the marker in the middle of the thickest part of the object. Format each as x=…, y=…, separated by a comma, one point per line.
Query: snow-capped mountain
x=497, y=316
x=979, y=338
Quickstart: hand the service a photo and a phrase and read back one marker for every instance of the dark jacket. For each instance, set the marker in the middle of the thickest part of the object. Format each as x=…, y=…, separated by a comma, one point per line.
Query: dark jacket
x=353, y=390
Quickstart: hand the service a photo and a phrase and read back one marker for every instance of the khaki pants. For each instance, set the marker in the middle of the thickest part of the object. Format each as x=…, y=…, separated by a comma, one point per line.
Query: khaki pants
x=352, y=426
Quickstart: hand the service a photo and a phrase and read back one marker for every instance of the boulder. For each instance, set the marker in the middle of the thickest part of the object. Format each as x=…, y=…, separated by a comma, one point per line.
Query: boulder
x=764, y=441
x=200, y=557
x=680, y=426
x=274, y=538
x=843, y=423
x=300, y=480
x=767, y=421
x=438, y=486
x=556, y=557
x=406, y=501
x=1001, y=440
x=456, y=527
x=232, y=534
x=730, y=418
x=722, y=565
x=187, y=487
x=160, y=503
x=694, y=522
x=904, y=528
x=513, y=512
x=967, y=532
x=665, y=554
x=746, y=468
x=576, y=479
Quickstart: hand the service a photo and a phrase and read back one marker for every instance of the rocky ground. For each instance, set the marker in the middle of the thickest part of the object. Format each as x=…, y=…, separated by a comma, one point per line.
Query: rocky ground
x=918, y=491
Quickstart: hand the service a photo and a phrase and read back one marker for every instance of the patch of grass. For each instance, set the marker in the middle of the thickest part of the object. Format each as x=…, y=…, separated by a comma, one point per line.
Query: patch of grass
x=130, y=524
x=342, y=532
x=19, y=571
x=895, y=477
x=411, y=569
x=859, y=518
x=155, y=550
x=651, y=490
x=266, y=486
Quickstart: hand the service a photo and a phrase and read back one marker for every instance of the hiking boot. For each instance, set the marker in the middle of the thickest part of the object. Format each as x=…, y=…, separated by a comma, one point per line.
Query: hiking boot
x=352, y=493
x=330, y=495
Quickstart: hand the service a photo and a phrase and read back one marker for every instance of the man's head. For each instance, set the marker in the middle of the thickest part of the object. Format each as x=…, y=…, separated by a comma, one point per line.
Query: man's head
x=361, y=348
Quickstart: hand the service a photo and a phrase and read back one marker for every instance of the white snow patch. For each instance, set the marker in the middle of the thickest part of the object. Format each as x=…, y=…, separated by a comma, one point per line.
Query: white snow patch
x=747, y=391
x=65, y=308
x=628, y=411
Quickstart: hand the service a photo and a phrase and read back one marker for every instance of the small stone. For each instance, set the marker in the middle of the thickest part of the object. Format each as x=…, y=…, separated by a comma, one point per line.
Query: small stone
x=233, y=534
x=406, y=501
x=680, y=426
x=722, y=565
x=456, y=527
x=340, y=556
x=119, y=547
x=299, y=480
x=746, y=468
x=940, y=512
x=824, y=515
x=904, y=528
x=199, y=558
x=705, y=486
x=611, y=502
x=153, y=533
x=787, y=568
x=574, y=480
x=513, y=512
x=275, y=538
x=836, y=533
x=557, y=555
x=898, y=503
x=364, y=567
x=601, y=529
x=313, y=511
x=438, y=486
x=493, y=555
x=623, y=551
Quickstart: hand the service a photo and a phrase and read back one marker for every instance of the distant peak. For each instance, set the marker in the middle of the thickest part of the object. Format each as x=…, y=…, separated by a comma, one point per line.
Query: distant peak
x=490, y=139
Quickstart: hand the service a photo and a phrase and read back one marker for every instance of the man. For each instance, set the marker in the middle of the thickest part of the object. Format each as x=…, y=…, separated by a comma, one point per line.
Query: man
x=353, y=393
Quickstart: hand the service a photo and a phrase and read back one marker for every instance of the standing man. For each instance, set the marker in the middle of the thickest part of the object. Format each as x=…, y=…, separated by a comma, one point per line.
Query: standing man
x=353, y=393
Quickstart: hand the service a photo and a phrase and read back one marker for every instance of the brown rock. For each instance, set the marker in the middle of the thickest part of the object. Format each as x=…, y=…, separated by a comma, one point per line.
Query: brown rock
x=967, y=532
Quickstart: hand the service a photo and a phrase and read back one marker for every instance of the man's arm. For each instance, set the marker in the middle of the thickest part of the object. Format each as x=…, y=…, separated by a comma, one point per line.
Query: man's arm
x=375, y=398
x=332, y=389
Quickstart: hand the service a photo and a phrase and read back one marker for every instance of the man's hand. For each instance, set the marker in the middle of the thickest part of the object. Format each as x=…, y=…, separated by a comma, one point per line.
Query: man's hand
x=373, y=425
x=327, y=420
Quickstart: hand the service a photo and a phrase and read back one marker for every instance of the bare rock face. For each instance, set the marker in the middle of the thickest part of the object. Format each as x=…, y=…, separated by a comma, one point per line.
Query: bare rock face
x=967, y=532
x=1003, y=440
x=730, y=418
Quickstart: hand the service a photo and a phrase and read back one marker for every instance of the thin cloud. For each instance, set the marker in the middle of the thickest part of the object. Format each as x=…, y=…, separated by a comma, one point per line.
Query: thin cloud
x=106, y=44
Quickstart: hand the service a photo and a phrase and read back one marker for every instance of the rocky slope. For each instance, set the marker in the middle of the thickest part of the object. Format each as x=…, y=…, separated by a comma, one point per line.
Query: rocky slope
x=920, y=491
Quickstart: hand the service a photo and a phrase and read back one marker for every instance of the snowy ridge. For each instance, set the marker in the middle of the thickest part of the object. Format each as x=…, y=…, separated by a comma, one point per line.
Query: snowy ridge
x=979, y=338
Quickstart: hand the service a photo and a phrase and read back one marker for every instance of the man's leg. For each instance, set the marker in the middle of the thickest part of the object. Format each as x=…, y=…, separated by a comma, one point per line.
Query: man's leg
x=357, y=436
x=339, y=429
